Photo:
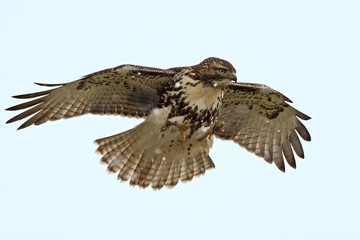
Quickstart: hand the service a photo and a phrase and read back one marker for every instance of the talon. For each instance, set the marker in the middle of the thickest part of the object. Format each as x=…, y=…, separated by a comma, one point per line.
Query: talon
x=181, y=144
x=182, y=129
x=218, y=126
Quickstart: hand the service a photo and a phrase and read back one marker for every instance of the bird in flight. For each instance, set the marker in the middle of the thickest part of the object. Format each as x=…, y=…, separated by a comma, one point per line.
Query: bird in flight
x=184, y=108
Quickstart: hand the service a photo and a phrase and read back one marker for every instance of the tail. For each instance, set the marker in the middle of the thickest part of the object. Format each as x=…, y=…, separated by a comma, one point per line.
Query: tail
x=146, y=158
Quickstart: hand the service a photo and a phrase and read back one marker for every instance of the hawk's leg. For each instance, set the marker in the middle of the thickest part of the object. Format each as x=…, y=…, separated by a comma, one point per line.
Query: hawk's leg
x=216, y=126
x=182, y=128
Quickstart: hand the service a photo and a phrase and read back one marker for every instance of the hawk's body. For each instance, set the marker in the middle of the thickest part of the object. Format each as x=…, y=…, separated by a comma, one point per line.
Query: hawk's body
x=183, y=108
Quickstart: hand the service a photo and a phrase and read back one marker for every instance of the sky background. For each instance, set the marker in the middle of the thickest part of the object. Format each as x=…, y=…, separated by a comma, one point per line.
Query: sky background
x=51, y=183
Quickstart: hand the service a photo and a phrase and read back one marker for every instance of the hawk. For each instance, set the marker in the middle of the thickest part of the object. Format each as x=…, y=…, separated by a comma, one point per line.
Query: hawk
x=184, y=108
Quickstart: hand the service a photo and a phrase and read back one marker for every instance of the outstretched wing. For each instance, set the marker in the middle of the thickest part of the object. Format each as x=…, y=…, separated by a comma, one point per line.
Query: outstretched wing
x=126, y=90
x=259, y=119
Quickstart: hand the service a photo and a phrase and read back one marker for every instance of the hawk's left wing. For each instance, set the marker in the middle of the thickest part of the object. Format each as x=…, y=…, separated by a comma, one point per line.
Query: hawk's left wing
x=259, y=119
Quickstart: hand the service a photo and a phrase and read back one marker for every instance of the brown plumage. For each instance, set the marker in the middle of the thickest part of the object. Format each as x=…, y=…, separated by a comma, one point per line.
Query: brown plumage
x=184, y=108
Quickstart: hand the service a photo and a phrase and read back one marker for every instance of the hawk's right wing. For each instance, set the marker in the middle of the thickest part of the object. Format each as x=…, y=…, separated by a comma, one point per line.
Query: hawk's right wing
x=127, y=90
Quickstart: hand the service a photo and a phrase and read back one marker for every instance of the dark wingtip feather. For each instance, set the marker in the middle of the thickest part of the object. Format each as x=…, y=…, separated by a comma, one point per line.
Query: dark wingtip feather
x=282, y=169
x=296, y=144
x=285, y=98
x=36, y=94
x=303, y=132
x=302, y=115
x=25, y=114
x=288, y=154
x=9, y=121
x=21, y=127
x=279, y=161
x=28, y=123
x=49, y=84
x=32, y=95
x=13, y=119
x=26, y=104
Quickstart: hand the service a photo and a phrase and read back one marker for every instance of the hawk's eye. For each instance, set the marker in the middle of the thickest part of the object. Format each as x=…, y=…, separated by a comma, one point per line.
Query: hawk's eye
x=222, y=70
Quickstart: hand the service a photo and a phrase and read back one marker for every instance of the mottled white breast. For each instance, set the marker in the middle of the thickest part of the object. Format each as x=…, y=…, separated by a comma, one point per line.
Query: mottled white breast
x=198, y=95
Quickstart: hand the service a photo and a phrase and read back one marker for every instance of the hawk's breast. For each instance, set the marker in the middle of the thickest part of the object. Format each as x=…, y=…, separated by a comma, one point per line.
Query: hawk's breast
x=193, y=102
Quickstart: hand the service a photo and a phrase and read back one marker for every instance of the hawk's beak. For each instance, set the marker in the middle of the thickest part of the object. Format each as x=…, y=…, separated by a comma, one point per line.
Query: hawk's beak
x=234, y=78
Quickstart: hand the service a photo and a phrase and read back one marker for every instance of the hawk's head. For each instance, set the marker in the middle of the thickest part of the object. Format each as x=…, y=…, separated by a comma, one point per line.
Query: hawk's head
x=215, y=72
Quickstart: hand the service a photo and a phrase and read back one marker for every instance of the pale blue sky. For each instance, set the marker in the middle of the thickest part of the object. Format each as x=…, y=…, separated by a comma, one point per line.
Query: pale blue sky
x=51, y=183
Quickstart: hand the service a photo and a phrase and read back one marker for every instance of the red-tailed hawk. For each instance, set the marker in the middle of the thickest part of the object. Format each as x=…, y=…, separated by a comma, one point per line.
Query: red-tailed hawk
x=184, y=108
